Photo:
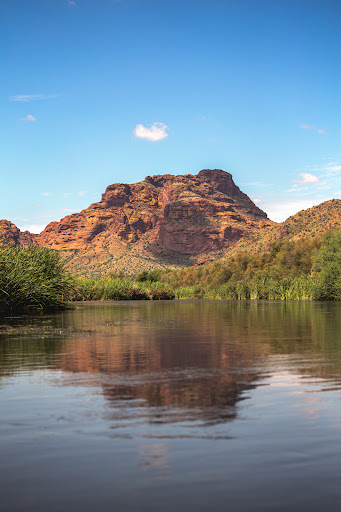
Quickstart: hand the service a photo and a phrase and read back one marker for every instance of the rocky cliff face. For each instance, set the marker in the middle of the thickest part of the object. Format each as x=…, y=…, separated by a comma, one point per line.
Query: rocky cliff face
x=187, y=214
x=11, y=235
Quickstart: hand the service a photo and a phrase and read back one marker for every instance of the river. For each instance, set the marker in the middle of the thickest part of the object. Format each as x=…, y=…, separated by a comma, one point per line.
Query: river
x=171, y=406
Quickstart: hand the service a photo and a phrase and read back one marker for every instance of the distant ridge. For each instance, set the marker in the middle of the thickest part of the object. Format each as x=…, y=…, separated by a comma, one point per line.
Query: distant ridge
x=307, y=223
x=11, y=235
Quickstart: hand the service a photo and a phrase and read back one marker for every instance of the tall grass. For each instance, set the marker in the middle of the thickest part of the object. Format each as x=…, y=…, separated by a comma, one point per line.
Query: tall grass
x=119, y=289
x=32, y=278
x=296, y=288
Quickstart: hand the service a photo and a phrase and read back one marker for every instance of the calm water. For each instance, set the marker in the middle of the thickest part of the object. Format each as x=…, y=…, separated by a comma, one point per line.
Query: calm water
x=172, y=406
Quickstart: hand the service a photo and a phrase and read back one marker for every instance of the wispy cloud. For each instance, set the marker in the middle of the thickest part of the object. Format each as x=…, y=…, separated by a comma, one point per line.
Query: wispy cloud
x=257, y=201
x=313, y=128
x=306, y=177
x=82, y=193
x=157, y=131
x=66, y=195
x=25, y=98
x=46, y=194
x=332, y=168
x=29, y=117
x=71, y=2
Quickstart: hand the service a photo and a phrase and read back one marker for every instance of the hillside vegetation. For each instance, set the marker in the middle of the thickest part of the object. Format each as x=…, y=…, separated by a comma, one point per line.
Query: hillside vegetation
x=310, y=223
x=302, y=269
x=34, y=278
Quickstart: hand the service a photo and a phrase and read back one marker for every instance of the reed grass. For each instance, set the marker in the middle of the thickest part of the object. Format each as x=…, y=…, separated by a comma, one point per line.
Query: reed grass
x=119, y=289
x=32, y=278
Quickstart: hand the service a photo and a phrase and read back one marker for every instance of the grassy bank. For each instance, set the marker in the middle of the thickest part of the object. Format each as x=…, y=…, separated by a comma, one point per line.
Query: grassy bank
x=32, y=278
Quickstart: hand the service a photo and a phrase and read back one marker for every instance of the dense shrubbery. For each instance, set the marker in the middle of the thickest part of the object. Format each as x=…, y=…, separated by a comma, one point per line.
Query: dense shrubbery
x=300, y=270
x=327, y=268
x=32, y=278
x=303, y=269
x=152, y=276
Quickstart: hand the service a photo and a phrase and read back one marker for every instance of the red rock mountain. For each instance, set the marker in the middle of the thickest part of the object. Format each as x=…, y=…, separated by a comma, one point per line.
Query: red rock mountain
x=11, y=235
x=187, y=214
x=169, y=221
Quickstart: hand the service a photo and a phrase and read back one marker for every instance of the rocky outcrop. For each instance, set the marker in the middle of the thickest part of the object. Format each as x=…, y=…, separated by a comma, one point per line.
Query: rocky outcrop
x=11, y=235
x=187, y=214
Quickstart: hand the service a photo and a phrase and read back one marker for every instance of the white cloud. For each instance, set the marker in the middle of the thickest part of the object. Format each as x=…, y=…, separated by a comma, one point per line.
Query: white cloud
x=283, y=209
x=31, y=97
x=257, y=201
x=46, y=194
x=156, y=132
x=33, y=228
x=306, y=178
x=82, y=193
x=71, y=2
x=66, y=194
x=69, y=210
x=29, y=117
x=311, y=127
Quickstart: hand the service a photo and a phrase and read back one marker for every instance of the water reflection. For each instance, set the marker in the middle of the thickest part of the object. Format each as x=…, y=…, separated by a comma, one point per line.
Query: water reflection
x=177, y=361
x=164, y=406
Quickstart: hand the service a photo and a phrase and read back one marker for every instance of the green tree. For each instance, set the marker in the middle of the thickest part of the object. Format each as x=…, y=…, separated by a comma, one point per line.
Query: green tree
x=327, y=268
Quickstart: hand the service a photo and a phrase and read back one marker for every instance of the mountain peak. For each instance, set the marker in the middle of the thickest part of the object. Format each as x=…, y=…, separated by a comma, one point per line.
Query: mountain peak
x=186, y=214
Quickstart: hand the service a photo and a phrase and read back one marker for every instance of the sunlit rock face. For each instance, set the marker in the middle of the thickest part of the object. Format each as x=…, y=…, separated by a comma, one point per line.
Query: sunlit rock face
x=187, y=214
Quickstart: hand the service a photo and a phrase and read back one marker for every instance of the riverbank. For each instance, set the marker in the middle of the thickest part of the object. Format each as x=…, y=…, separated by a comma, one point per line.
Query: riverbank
x=35, y=278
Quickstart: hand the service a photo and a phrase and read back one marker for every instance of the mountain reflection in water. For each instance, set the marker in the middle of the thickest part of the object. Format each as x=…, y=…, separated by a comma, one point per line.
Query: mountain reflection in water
x=176, y=361
x=149, y=406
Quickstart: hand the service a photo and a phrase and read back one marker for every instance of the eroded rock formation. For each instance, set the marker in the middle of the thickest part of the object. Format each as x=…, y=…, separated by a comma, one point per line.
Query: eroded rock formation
x=187, y=214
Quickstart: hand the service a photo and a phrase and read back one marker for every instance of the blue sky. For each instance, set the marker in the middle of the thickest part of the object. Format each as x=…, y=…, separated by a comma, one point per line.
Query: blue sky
x=95, y=92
